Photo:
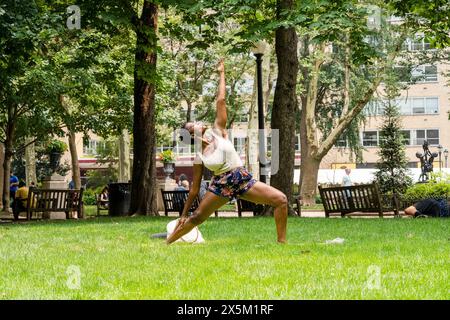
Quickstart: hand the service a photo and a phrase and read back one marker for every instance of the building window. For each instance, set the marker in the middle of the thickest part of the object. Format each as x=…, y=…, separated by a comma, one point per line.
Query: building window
x=239, y=144
x=418, y=105
x=431, y=135
x=91, y=147
x=370, y=138
x=413, y=105
x=406, y=137
x=432, y=105
x=417, y=44
x=425, y=73
x=403, y=105
x=374, y=107
x=341, y=143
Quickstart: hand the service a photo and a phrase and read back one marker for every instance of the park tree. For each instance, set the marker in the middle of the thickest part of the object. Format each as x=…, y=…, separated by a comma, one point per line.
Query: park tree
x=77, y=80
x=362, y=51
x=23, y=89
x=392, y=175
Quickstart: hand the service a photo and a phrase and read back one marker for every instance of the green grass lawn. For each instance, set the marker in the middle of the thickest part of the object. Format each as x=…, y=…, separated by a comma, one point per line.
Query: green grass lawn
x=115, y=258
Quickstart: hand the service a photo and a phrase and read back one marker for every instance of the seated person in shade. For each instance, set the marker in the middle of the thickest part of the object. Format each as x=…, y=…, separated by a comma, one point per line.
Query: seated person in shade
x=104, y=197
x=21, y=198
x=429, y=207
x=183, y=186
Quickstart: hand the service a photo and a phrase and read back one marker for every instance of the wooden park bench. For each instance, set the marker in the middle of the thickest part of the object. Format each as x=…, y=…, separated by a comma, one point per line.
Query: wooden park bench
x=247, y=206
x=174, y=201
x=55, y=200
x=359, y=198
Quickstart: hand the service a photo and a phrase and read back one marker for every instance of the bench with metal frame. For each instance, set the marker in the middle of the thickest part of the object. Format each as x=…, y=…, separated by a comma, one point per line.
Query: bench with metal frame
x=364, y=198
x=55, y=200
x=174, y=201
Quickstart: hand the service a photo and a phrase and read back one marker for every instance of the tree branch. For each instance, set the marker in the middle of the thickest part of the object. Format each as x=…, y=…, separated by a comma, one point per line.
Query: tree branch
x=21, y=148
x=346, y=75
x=345, y=119
x=311, y=101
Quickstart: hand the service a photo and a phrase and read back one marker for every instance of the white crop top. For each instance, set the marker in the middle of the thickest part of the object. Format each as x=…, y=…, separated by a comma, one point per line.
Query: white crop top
x=224, y=157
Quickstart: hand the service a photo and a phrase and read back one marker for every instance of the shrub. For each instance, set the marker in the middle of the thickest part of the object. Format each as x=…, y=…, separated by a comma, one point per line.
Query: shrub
x=420, y=191
x=57, y=146
x=89, y=195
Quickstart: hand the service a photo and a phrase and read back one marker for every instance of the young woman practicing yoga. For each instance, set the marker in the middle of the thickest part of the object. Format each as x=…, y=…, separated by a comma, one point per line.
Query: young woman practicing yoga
x=230, y=178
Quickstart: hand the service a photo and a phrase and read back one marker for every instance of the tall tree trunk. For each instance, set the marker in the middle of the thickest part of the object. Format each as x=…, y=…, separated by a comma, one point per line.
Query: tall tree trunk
x=308, y=134
x=9, y=152
x=30, y=162
x=124, y=156
x=6, y=177
x=309, y=170
x=76, y=176
x=143, y=192
x=285, y=102
x=7, y=164
x=2, y=178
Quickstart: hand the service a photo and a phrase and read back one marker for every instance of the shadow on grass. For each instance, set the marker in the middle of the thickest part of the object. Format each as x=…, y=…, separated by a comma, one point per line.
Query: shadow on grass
x=87, y=221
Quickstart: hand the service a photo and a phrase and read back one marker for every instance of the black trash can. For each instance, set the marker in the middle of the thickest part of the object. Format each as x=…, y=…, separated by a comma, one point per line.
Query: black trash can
x=119, y=198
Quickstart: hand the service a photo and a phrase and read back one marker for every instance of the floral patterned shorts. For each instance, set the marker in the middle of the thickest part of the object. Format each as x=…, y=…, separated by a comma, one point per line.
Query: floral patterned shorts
x=232, y=183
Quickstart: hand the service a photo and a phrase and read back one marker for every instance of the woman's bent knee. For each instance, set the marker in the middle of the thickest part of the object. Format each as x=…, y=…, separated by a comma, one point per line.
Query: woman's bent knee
x=281, y=200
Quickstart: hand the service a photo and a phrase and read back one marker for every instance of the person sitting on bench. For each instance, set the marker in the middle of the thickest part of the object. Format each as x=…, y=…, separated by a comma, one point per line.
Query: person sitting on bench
x=20, y=201
x=104, y=197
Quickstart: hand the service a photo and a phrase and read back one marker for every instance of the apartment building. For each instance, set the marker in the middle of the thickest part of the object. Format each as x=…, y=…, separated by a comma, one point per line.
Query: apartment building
x=424, y=109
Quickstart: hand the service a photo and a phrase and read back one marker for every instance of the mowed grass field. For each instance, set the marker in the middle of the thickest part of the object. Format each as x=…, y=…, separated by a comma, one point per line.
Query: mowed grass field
x=115, y=258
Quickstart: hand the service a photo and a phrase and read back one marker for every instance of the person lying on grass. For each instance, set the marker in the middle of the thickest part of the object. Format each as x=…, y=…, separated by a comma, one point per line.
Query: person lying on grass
x=429, y=208
x=231, y=179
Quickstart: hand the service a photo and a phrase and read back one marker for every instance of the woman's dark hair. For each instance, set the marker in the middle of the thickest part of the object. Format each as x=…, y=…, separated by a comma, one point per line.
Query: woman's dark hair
x=22, y=184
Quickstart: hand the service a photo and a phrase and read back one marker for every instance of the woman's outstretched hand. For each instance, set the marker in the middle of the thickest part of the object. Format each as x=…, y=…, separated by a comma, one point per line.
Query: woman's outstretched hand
x=220, y=66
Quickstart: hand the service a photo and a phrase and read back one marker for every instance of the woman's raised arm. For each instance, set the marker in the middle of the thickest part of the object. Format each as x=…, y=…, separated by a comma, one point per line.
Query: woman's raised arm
x=221, y=107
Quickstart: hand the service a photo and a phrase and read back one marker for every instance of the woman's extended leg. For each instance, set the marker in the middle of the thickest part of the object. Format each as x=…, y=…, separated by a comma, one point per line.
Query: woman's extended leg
x=207, y=206
x=262, y=193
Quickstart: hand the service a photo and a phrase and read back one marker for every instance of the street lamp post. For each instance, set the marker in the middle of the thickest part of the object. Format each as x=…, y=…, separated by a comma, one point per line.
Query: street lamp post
x=258, y=51
x=440, y=161
x=445, y=157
